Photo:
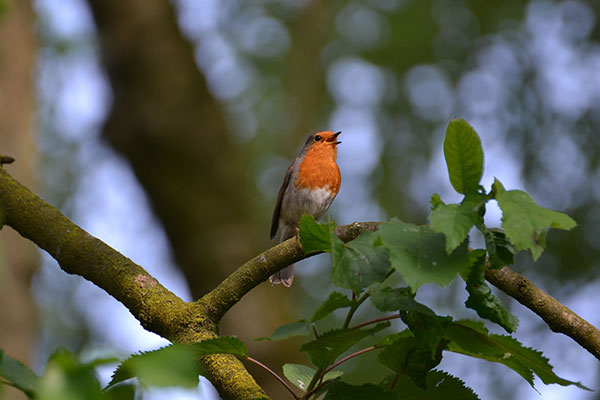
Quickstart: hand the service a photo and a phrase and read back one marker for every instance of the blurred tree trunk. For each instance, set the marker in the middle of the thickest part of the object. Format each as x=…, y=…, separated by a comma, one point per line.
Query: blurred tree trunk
x=170, y=128
x=18, y=257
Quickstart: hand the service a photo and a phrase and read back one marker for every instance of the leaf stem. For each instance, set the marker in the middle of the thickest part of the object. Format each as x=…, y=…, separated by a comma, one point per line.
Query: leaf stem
x=358, y=353
x=374, y=321
x=314, y=328
x=269, y=370
x=349, y=356
x=353, y=309
x=395, y=379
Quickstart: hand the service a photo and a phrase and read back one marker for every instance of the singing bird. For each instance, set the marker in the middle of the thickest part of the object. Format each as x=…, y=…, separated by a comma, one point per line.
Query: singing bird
x=311, y=183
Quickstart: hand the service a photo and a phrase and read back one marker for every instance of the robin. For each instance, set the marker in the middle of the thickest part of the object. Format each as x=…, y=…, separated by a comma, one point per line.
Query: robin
x=311, y=183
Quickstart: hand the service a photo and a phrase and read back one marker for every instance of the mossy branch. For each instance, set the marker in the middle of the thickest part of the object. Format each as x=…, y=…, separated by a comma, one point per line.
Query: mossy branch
x=558, y=316
x=162, y=312
x=158, y=310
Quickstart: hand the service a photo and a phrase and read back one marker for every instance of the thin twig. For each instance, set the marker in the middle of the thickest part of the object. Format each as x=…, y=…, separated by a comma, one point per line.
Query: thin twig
x=269, y=370
x=358, y=353
x=321, y=383
x=374, y=321
x=395, y=379
x=314, y=328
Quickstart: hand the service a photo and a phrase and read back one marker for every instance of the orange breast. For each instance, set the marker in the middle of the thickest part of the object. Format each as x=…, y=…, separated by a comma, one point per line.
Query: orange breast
x=319, y=169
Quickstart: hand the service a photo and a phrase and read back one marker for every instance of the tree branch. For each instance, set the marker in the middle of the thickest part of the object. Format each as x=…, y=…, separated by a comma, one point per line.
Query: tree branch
x=558, y=316
x=158, y=310
x=257, y=270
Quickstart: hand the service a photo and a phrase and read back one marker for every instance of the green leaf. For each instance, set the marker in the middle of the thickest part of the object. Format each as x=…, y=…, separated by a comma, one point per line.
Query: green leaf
x=359, y=263
x=385, y=298
x=455, y=221
x=419, y=254
x=343, y=391
x=119, y=392
x=220, y=345
x=412, y=357
x=464, y=156
x=298, y=328
x=500, y=250
x=436, y=201
x=429, y=329
x=315, y=237
x=15, y=373
x=332, y=344
x=335, y=301
x=175, y=365
x=482, y=300
x=471, y=338
x=65, y=378
x=301, y=375
x=439, y=385
x=525, y=222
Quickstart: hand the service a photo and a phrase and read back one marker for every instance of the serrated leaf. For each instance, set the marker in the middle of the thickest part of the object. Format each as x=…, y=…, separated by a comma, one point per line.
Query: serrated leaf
x=385, y=298
x=411, y=356
x=298, y=328
x=15, y=373
x=359, y=263
x=470, y=338
x=335, y=301
x=419, y=254
x=456, y=220
x=175, y=365
x=343, y=391
x=500, y=250
x=427, y=328
x=66, y=378
x=439, y=385
x=332, y=344
x=301, y=375
x=525, y=222
x=464, y=156
x=315, y=237
x=482, y=300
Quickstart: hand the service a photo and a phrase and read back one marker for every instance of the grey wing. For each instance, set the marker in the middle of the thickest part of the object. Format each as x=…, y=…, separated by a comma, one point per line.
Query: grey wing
x=277, y=211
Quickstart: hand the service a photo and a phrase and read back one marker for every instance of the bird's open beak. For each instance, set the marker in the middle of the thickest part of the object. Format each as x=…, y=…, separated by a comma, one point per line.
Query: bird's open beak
x=334, y=137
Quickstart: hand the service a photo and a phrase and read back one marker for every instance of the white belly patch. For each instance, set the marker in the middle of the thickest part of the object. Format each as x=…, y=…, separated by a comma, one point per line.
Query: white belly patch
x=314, y=202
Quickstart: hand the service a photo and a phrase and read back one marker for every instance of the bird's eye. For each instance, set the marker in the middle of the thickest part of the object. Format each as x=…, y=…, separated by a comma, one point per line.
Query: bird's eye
x=318, y=138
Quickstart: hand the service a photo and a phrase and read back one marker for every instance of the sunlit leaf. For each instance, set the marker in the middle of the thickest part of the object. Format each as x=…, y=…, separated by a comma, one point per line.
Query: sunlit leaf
x=525, y=222
x=464, y=156
x=175, y=365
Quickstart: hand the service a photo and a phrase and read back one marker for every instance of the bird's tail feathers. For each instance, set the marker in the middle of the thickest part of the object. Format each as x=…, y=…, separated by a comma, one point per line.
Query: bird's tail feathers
x=285, y=276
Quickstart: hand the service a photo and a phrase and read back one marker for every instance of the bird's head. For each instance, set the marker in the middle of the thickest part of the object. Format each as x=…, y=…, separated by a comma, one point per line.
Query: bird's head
x=324, y=142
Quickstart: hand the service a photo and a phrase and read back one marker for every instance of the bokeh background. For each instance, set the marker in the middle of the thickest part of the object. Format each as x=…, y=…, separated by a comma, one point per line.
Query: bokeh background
x=165, y=128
